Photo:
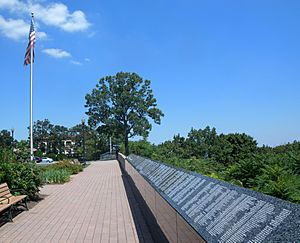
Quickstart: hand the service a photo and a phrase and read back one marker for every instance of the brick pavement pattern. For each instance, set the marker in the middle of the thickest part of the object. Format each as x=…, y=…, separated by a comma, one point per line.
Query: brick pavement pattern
x=92, y=207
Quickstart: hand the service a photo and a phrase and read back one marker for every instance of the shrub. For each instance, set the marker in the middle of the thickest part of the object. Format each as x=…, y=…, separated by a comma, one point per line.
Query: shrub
x=279, y=182
x=65, y=165
x=60, y=157
x=59, y=172
x=23, y=177
x=7, y=155
x=244, y=172
x=55, y=176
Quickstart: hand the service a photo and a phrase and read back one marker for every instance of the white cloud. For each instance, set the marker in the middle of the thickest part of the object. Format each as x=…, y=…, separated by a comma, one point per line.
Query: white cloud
x=15, y=5
x=87, y=59
x=53, y=14
x=57, y=53
x=17, y=29
x=41, y=35
x=14, y=28
x=76, y=63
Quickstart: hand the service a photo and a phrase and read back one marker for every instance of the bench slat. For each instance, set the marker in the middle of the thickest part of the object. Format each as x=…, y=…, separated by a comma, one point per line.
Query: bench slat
x=3, y=185
x=16, y=199
x=5, y=193
x=4, y=189
x=3, y=200
x=4, y=206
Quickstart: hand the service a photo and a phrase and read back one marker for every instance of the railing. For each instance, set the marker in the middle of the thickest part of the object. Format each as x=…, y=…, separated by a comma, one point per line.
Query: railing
x=108, y=156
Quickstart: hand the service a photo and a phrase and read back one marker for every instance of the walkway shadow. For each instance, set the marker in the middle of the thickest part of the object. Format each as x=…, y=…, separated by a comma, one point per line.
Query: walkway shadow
x=20, y=209
x=141, y=226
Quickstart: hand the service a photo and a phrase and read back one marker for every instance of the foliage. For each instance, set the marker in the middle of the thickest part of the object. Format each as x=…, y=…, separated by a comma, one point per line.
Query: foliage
x=22, y=177
x=143, y=148
x=41, y=134
x=49, y=137
x=295, y=164
x=234, y=158
x=278, y=181
x=59, y=172
x=7, y=155
x=122, y=105
x=200, y=143
x=95, y=142
x=233, y=147
x=206, y=143
x=55, y=176
x=6, y=140
x=22, y=151
x=65, y=165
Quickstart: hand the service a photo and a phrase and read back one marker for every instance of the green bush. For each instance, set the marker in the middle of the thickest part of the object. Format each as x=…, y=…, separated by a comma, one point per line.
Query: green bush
x=22, y=177
x=65, y=165
x=7, y=155
x=55, y=176
x=244, y=172
x=59, y=172
x=60, y=157
x=280, y=182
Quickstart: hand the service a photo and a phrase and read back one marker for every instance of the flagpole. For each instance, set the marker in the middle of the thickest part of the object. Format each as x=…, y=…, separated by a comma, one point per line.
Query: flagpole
x=31, y=133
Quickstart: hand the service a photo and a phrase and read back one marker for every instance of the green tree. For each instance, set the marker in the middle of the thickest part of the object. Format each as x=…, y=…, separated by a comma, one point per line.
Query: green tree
x=174, y=148
x=56, y=138
x=22, y=151
x=233, y=147
x=7, y=155
x=123, y=104
x=6, y=139
x=142, y=148
x=245, y=171
x=279, y=181
x=41, y=134
x=200, y=143
x=48, y=138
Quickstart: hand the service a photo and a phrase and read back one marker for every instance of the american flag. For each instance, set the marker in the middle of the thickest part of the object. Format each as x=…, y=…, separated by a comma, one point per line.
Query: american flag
x=30, y=46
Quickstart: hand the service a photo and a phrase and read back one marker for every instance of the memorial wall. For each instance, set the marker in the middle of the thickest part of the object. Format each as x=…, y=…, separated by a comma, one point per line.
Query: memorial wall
x=189, y=207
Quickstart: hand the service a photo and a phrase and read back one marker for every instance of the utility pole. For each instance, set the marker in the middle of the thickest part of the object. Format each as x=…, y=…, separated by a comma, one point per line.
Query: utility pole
x=12, y=136
x=110, y=147
x=83, y=137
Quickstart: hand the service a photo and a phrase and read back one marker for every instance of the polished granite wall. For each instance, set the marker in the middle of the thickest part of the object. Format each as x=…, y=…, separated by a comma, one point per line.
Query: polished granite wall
x=189, y=207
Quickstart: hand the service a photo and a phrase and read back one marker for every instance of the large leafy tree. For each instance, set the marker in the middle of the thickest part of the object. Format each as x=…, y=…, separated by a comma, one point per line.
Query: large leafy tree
x=45, y=131
x=123, y=104
x=6, y=139
x=58, y=134
x=200, y=143
x=94, y=143
x=41, y=133
x=234, y=147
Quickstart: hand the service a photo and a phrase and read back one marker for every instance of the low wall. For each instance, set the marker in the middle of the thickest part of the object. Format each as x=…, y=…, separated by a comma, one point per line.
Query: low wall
x=189, y=207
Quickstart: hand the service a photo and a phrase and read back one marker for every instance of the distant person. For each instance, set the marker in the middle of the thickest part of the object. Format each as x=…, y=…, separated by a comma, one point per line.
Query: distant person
x=117, y=148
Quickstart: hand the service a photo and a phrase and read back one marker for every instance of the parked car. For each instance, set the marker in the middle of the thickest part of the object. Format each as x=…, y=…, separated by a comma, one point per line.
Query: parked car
x=46, y=160
x=37, y=159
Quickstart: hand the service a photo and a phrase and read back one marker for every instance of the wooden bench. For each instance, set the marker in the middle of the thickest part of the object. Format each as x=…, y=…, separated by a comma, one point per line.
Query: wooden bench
x=6, y=208
x=8, y=201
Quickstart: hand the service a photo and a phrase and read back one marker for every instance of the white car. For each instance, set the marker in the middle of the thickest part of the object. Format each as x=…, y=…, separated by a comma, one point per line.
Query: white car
x=46, y=160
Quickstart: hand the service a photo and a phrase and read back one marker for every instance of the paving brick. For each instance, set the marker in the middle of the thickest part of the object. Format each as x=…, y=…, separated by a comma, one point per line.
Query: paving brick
x=92, y=207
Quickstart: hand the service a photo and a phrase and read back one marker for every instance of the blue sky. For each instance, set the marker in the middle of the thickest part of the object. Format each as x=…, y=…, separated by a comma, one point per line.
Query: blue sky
x=229, y=64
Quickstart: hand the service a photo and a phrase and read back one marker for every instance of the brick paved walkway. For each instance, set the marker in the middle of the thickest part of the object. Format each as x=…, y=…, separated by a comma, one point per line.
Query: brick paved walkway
x=93, y=207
